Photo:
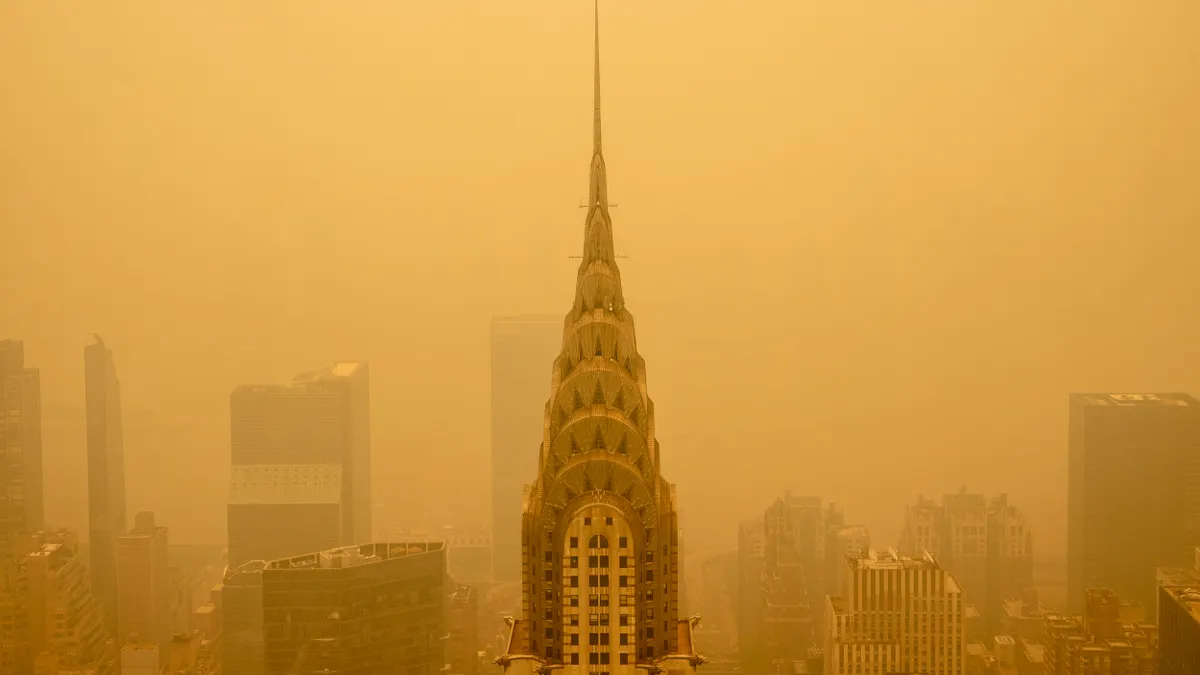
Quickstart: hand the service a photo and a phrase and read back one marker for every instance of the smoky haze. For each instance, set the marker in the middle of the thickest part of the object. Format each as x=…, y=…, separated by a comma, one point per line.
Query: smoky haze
x=872, y=246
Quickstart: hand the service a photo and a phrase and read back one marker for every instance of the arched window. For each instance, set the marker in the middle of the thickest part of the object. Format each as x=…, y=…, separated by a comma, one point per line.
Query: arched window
x=598, y=541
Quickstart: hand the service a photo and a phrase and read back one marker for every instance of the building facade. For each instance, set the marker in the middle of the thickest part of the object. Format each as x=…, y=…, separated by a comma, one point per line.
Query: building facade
x=281, y=510
x=67, y=623
x=320, y=418
x=241, y=619
x=1133, y=494
x=895, y=615
x=144, y=586
x=521, y=346
x=600, y=531
x=357, y=610
x=106, y=474
x=21, y=505
x=1179, y=620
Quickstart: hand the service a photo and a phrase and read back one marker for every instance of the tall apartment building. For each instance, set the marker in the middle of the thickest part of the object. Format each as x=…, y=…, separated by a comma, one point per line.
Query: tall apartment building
x=67, y=623
x=462, y=627
x=106, y=474
x=1179, y=620
x=320, y=418
x=357, y=610
x=1133, y=491
x=987, y=546
x=144, y=586
x=280, y=510
x=21, y=505
x=842, y=540
x=521, y=347
x=15, y=656
x=895, y=615
x=793, y=570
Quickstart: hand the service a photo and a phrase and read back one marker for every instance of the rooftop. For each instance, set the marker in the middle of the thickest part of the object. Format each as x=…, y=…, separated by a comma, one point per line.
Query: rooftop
x=285, y=484
x=1140, y=400
x=1188, y=597
x=354, y=556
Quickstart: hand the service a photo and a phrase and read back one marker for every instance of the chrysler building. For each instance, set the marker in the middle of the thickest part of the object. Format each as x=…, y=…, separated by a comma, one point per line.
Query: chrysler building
x=600, y=532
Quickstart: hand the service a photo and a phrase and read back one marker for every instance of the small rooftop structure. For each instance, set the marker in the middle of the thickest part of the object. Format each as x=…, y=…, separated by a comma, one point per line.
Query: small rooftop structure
x=1144, y=399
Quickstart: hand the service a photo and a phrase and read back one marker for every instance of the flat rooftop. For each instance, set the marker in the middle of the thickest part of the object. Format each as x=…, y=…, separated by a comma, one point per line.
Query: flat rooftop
x=1187, y=597
x=355, y=556
x=1137, y=400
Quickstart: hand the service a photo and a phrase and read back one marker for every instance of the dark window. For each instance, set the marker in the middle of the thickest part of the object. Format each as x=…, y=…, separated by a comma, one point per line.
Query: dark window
x=594, y=639
x=623, y=542
x=622, y=562
x=649, y=631
x=603, y=619
x=594, y=658
x=624, y=638
x=549, y=614
x=549, y=632
x=574, y=600
x=594, y=601
x=649, y=594
x=604, y=638
x=604, y=601
x=649, y=575
x=549, y=575
x=649, y=612
x=650, y=652
x=549, y=556
x=624, y=657
x=624, y=621
x=549, y=652
x=587, y=521
x=623, y=581
x=574, y=581
x=575, y=659
x=550, y=595
x=574, y=561
x=604, y=561
x=574, y=619
x=593, y=580
x=604, y=657
x=598, y=541
x=608, y=520
x=593, y=561
x=574, y=639
x=649, y=556
x=604, y=580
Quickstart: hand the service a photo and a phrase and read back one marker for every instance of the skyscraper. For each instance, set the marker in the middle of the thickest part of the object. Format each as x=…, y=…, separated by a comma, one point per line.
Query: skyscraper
x=895, y=615
x=600, y=554
x=21, y=506
x=106, y=474
x=357, y=610
x=289, y=444
x=144, y=586
x=521, y=348
x=1133, y=492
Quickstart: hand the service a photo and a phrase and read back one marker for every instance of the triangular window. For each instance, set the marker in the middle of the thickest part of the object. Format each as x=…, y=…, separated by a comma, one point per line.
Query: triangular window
x=598, y=441
x=598, y=395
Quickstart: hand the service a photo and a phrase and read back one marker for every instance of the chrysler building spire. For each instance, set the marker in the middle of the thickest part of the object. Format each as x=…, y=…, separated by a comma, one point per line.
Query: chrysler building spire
x=600, y=529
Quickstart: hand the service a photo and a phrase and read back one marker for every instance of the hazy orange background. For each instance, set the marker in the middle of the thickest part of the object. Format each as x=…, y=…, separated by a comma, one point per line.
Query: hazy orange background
x=873, y=245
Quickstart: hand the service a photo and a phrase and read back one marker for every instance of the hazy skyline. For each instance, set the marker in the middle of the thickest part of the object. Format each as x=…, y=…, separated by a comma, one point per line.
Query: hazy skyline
x=872, y=247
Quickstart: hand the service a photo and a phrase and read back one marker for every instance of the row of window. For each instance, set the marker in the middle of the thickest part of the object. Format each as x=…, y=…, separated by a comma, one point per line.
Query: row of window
x=623, y=561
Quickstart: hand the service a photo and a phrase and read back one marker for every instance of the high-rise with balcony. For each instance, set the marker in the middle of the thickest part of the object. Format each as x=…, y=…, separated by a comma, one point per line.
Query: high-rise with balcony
x=521, y=347
x=895, y=615
x=144, y=586
x=1133, y=492
x=300, y=450
x=106, y=474
x=21, y=505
